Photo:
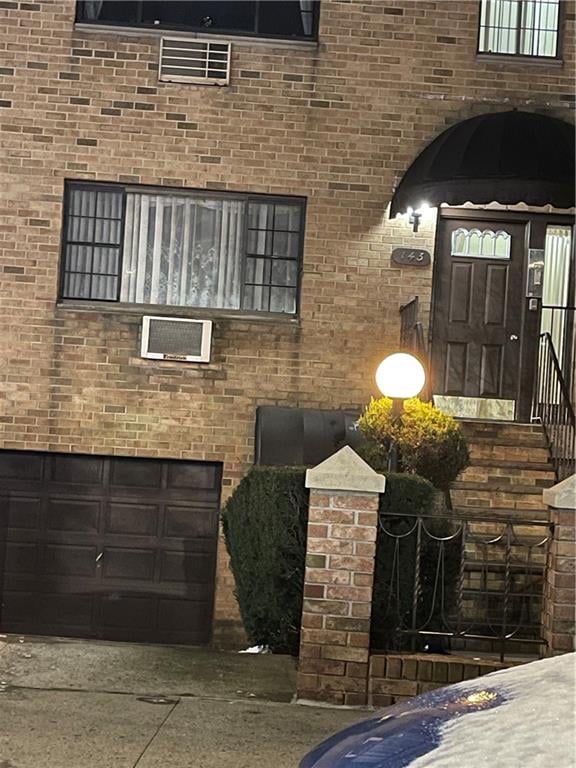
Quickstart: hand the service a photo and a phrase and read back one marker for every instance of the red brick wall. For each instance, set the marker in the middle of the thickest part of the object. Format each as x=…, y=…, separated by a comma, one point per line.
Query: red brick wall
x=337, y=123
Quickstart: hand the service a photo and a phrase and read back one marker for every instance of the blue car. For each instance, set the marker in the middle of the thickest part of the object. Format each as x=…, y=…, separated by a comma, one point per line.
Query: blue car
x=521, y=716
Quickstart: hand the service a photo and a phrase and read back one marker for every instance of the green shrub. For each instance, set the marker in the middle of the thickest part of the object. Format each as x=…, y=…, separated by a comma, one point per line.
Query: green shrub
x=265, y=528
x=430, y=442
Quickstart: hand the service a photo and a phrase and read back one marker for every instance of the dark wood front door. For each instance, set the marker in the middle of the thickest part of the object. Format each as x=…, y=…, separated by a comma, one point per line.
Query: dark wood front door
x=115, y=548
x=477, y=308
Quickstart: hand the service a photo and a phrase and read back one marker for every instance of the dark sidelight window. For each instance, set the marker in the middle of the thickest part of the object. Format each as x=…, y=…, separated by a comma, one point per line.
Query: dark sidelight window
x=519, y=27
x=181, y=248
x=268, y=18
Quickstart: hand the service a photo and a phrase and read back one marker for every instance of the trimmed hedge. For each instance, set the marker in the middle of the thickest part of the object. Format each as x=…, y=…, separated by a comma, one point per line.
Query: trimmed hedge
x=265, y=528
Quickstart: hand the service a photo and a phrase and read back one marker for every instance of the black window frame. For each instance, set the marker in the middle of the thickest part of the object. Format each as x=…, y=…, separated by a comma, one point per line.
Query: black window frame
x=246, y=197
x=206, y=30
x=518, y=55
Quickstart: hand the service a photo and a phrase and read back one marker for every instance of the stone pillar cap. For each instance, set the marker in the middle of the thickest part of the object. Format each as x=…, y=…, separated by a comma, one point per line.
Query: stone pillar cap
x=562, y=495
x=345, y=471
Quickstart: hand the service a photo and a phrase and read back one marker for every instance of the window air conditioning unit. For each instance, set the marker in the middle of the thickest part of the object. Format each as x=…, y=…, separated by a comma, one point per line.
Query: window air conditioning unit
x=174, y=338
x=186, y=60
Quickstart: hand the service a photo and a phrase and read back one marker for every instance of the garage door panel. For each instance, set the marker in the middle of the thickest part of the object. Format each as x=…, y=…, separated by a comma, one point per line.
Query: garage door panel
x=73, y=515
x=23, y=512
x=69, y=560
x=132, y=519
x=67, y=609
x=123, y=563
x=75, y=470
x=139, y=473
x=183, y=567
x=128, y=612
x=21, y=559
x=69, y=612
x=181, y=615
x=198, y=476
x=184, y=522
x=17, y=465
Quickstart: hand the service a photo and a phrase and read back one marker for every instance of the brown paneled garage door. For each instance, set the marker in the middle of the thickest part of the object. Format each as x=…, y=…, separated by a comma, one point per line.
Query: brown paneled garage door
x=116, y=548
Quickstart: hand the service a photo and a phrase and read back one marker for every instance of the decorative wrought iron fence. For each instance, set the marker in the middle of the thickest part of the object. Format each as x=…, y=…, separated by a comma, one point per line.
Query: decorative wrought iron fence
x=475, y=584
x=552, y=406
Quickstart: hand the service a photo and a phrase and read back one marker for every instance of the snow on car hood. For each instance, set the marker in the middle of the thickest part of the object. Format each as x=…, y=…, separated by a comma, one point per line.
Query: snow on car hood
x=523, y=716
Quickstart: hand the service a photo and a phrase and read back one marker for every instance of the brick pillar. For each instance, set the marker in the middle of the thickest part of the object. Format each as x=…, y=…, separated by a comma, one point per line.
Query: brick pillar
x=560, y=594
x=341, y=544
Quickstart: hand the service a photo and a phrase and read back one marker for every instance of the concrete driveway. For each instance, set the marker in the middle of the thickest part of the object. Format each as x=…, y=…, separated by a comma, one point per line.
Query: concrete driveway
x=84, y=704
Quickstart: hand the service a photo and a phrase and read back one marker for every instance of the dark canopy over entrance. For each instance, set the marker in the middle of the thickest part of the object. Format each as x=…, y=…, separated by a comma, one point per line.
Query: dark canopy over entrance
x=507, y=157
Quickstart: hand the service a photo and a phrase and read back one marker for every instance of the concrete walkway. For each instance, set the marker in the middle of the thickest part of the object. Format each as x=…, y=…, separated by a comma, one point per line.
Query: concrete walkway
x=84, y=704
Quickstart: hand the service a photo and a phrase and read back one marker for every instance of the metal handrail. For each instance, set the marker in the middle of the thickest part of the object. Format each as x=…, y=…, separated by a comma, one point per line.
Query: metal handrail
x=552, y=406
x=412, y=340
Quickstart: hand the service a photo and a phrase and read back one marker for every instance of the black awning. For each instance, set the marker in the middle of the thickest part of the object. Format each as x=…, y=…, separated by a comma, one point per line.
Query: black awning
x=507, y=157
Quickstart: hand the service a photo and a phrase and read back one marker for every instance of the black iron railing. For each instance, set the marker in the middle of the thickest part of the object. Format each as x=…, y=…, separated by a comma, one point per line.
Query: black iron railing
x=473, y=584
x=559, y=323
x=552, y=405
x=412, y=339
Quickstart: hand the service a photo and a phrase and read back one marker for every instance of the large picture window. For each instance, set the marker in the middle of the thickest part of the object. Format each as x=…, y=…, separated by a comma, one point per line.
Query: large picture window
x=182, y=249
x=268, y=18
x=519, y=27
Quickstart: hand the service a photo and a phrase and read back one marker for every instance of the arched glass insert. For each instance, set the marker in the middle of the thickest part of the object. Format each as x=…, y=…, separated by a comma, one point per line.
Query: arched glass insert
x=481, y=244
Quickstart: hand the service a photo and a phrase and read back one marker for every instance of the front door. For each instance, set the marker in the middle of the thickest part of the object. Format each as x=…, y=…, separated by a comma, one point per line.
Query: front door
x=477, y=314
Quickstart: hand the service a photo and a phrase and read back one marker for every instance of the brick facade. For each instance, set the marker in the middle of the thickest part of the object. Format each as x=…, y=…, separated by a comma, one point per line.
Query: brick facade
x=337, y=123
x=559, y=609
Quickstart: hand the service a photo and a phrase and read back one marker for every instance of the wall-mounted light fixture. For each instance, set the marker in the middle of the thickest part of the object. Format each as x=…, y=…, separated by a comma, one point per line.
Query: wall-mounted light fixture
x=415, y=215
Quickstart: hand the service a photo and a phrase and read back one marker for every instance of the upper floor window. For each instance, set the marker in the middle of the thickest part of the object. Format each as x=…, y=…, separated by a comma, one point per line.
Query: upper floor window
x=277, y=18
x=519, y=27
x=181, y=248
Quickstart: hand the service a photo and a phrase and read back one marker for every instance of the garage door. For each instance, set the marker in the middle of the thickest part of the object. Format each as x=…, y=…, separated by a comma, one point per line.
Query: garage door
x=115, y=548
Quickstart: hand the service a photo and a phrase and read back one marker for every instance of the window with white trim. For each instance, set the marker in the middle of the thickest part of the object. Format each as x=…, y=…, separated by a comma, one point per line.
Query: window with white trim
x=181, y=248
x=519, y=27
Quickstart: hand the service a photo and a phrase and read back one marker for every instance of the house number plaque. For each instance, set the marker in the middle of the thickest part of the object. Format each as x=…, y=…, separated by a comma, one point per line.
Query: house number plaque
x=410, y=257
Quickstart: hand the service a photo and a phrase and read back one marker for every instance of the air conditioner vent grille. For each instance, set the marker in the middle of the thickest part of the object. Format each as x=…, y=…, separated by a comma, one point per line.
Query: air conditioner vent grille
x=183, y=60
x=167, y=338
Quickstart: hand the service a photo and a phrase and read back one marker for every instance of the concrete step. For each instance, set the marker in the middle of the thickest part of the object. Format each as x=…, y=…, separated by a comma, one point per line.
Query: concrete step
x=483, y=475
x=505, y=498
x=487, y=451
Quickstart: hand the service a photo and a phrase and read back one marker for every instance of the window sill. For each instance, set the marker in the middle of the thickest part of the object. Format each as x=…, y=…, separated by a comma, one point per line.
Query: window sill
x=510, y=58
x=275, y=42
x=116, y=308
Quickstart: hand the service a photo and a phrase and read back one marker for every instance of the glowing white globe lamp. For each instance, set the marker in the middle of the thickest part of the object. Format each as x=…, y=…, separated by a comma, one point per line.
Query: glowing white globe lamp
x=400, y=376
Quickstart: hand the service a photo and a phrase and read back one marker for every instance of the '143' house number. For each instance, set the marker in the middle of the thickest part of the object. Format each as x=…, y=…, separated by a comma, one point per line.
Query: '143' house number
x=410, y=257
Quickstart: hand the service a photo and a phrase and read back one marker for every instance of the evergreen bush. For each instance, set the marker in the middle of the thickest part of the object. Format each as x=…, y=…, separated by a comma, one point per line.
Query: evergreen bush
x=265, y=529
x=430, y=442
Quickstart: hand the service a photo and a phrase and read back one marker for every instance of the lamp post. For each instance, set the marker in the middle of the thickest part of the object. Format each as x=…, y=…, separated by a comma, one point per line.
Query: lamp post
x=399, y=376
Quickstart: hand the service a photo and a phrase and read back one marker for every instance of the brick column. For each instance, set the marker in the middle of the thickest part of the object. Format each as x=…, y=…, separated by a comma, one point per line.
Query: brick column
x=560, y=594
x=341, y=544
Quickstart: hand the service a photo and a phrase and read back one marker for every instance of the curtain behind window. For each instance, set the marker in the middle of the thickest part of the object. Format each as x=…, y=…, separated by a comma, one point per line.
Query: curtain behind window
x=92, y=9
x=182, y=251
